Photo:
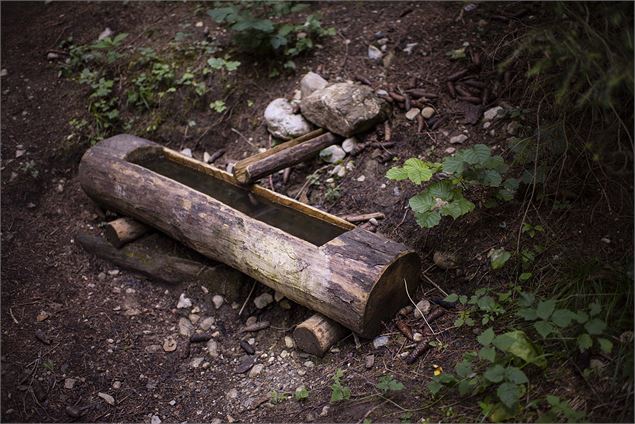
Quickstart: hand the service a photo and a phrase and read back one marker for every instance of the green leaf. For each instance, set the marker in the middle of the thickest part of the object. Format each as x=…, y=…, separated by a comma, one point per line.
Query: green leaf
x=497, y=163
x=428, y=219
x=486, y=337
x=595, y=326
x=451, y=298
x=526, y=299
x=544, y=328
x=529, y=314
x=495, y=373
x=422, y=202
x=606, y=345
x=594, y=309
x=508, y=393
x=442, y=189
x=498, y=258
x=301, y=393
x=487, y=354
x=434, y=387
x=222, y=13
x=581, y=317
x=463, y=369
x=491, y=178
x=477, y=154
x=518, y=344
x=418, y=170
x=454, y=164
x=562, y=317
x=545, y=308
x=457, y=208
x=397, y=174
x=516, y=375
x=388, y=384
x=584, y=342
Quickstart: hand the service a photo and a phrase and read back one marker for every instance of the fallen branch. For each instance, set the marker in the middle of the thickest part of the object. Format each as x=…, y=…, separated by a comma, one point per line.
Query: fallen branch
x=364, y=217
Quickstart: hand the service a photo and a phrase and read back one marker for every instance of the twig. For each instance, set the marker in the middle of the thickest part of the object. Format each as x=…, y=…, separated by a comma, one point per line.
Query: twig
x=13, y=317
x=244, y=138
x=436, y=285
x=248, y=296
x=417, y=308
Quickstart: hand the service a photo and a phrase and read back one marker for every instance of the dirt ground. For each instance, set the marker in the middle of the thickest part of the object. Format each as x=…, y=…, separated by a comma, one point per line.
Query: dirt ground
x=105, y=327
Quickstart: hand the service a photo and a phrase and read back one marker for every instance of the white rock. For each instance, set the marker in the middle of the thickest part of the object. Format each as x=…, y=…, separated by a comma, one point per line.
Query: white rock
x=409, y=47
x=381, y=92
x=424, y=306
x=450, y=150
x=332, y=154
x=339, y=170
x=277, y=296
x=284, y=354
x=361, y=178
x=256, y=370
x=374, y=53
x=206, y=157
x=380, y=341
x=187, y=152
x=218, y=301
x=232, y=394
x=206, y=323
x=199, y=24
x=311, y=82
x=196, y=362
x=282, y=122
x=513, y=127
x=184, y=302
x=52, y=56
x=417, y=337
x=106, y=397
x=487, y=124
x=212, y=348
x=427, y=112
x=263, y=300
x=105, y=33
x=458, y=139
x=412, y=113
x=69, y=383
x=4, y=72
x=349, y=144
x=155, y=420
x=185, y=327
x=288, y=342
x=493, y=113
x=309, y=364
x=116, y=385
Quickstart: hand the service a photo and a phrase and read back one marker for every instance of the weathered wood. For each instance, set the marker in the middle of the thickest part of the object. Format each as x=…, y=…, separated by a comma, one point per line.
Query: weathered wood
x=317, y=334
x=364, y=217
x=353, y=277
x=282, y=156
x=124, y=230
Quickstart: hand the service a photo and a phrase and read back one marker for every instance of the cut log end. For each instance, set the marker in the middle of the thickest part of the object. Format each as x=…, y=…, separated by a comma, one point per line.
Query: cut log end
x=124, y=230
x=317, y=334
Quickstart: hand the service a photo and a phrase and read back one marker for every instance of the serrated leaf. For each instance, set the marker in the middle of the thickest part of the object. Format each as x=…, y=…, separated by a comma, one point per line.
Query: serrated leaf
x=454, y=164
x=526, y=299
x=486, y=337
x=595, y=326
x=562, y=317
x=544, y=328
x=499, y=257
x=221, y=14
x=508, y=393
x=428, y=219
x=516, y=375
x=463, y=369
x=545, y=308
x=487, y=354
x=496, y=163
x=584, y=342
x=495, y=373
x=518, y=344
x=442, y=190
x=477, y=154
x=457, y=208
x=581, y=317
x=418, y=170
x=422, y=202
x=388, y=384
x=397, y=174
x=491, y=178
x=434, y=387
x=606, y=345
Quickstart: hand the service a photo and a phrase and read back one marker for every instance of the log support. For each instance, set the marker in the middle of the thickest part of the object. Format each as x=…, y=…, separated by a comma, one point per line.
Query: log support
x=317, y=334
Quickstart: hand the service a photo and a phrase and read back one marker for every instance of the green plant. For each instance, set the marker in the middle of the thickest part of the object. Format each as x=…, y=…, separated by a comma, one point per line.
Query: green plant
x=301, y=394
x=218, y=106
x=387, y=384
x=474, y=166
x=332, y=193
x=277, y=397
x=339, y=391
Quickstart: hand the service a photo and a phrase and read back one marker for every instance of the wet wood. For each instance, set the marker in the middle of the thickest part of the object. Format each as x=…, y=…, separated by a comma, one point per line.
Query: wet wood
x=124, y=230
x=282, y=156
x=318, y=334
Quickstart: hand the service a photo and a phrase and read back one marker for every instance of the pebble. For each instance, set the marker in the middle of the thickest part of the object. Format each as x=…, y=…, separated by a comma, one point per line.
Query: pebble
x=212, y=348
x=247, y=347
x=116, y=385
x=301, y=372
x=19, y=153
x=406, y=310
x=458, y=139
x=206, y=323
x=155, y=420
x=349, y=144
x=325, y=411
x=183, y=302
x=101, y=276
x=373, y=221
x=185, y=327
x=172, y=402
x=412, y=113
x=332, y=154
x=218, y=301
x=284, y=354
x=4, y=72
x=361, y=178
x=424, y=306
x=417, y=337
x=513, y=127
x=288, y=342
x=196, y=362
x=246, y=362
x=277, y=296
x=339, y=170
x=169, y=344
x=256, y=370
x=380, y=341
x=42, y=315
x=285, y=304
x=194, y=318
x=107, y=398
x=309, y=364
x=263, y=300
x=113, y=272
x=487, y=124
x=445, y=260
x=409, y=47
x=450, y=150
x=69, y=383
x=427, y=112
x=310, y=417
x=370, y=361
x=154, y=348
x=187, y=152
x=232, y=394
x=493, y=113
x=374, y=53
x=206, y=157
x=251, y=321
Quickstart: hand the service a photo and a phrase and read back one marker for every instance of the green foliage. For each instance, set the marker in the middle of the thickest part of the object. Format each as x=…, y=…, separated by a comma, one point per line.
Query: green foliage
x=387, y=384
x=301, y=394
x=218, y=106
x=499, y=257
x=339, y=392
x=278, y=397
x=470, y=167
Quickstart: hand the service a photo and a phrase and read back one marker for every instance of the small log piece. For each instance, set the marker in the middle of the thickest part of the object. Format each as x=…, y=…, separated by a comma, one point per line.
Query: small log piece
x=124, y=230
x=364, y=217
x=317, y=334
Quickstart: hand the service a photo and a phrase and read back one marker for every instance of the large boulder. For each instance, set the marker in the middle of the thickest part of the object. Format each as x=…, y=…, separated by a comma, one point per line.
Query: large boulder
x=282, y=122
x=345, y=108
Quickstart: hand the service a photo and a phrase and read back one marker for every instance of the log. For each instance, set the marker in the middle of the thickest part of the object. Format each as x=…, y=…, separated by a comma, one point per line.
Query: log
x=364, y=217
x=282, y=156
x=318, y=260
x=124, y=230
x=317, y=334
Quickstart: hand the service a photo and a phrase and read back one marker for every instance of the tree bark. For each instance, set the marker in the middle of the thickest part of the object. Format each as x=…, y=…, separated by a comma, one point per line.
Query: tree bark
x=317, y=334
x=282, y=156
x=124, y=230
x=356, y=278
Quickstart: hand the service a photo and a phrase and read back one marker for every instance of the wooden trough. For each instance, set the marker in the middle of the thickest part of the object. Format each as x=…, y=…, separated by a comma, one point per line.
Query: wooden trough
x=348, y=274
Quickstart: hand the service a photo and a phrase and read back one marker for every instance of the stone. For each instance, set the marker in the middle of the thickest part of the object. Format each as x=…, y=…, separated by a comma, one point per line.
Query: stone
x=361, y=178
x=345, y=108
x=282, y=122
x=412, y=113
x=169, y=344
x=155, y=420
x=246, y=362
x=277, y=296
x=206, y=157
x=409, y=47
x=196, y=362
x=183, y=302
x=423, y=306
x=154, y=348
x=218, y=301
x=105, y=33
x=212, y=348
x=513, y=127
x=107, y=398
x=256, y=370
x=325, y=411
x=187, y=152
x=450, y=150
x=339, y=171
x=194, y=318
x=445, y=260
x=406, y=310
x=232, y=394
x=288, y=342
x=206, y=324
x=185, y=327
x=417, y=337
x=251, y=321
x=116, y=385
x=458, y=139
x=311, y=82
x=349, y=144
x=42, y=315
x=493, y=113
x=69, y=383
x=332, y=154
x=427, y=112
x=380, y=341
x=4, y=72
x=309, y=364
x=52, y=56
x=487, y=124
x=374, y=53
x=369, y=362
x=263, y=300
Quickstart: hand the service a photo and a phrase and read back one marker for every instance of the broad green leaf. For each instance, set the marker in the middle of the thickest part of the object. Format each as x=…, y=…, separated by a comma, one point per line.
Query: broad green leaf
x=581, y=317
x=422, y=202
x=594, y=309
x=584, y=342
x=418, y=170
x=428, y=219
x=442, y=190
x=463, y=369
x=457, y=208
x=508, y=393
x=397, y=173
x=529, y=314
x=595, y=326
x=562, y=317
x=434, y=387
x=487, y=354
x=516, y=375
x=222, y=13
x=545, y=308
x=486, y=337
x=495, y=373
x=454, y=164
x=491, y=178
x=544, y=328
x=606, y=345
x=553, y=400
x=517, y=343
x=451, y=298
x=497, y=163
x=499, y=257
x=477, y=154
x=388, y=384
x=526, y=299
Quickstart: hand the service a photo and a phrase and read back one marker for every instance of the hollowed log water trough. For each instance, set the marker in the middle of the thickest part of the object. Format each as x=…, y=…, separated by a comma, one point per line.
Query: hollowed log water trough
x=353, y=276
